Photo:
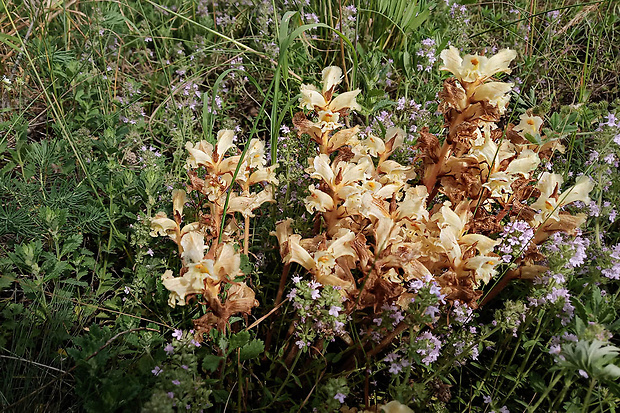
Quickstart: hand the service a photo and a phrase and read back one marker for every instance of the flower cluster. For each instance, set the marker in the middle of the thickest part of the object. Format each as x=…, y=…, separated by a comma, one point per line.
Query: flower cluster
x=429, y=347
x=516, y=237
x=383, y=226
x=179, y=383
x=426, y=55
x=613, y=272
x=208, y=247
x=320, y=312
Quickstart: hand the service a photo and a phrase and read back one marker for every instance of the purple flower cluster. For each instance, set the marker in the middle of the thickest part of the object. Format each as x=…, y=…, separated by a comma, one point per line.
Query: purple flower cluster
x=428, y=282
x=348, y=22
x=579, y=245
x=319, y=309
x=555, y=346
x=463, y=348
x=430, y=347
x=427, y=55
x=573, y=250
x=132, y=111
x=516, y=237
x=557, y=294
x=462, y=313
x=397, y=362
x=613, y=272
x=458, y=10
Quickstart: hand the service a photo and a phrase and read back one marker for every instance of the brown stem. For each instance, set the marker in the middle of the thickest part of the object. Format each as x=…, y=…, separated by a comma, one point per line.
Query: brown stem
x=324, y=143
x=367, y=388
x=283, y=279
x=388, y=339
x=246, y=234
x=497, y=288
x=177, y=232
x=293, y=350
x=431, y=180
x=384, y=343
x=217, y=220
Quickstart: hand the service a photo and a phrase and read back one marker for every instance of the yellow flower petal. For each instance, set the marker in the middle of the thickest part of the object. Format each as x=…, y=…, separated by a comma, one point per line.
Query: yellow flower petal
x=346, y=100
x=332, y=76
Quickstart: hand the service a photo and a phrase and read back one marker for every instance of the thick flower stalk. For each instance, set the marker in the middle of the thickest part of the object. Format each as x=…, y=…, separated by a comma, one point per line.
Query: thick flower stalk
x=211, y=260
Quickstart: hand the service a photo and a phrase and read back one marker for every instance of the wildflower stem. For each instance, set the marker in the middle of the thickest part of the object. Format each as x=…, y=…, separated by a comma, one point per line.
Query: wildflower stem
x=554, y=381
x=283, y=279
x=246, y=234
x=525, y=363
x=505, y=280
x=344, y=63
x=388, y=339
x=286, y=379
x=597, y=225
x=239, y=377
x=449, y=363
x=586, y=402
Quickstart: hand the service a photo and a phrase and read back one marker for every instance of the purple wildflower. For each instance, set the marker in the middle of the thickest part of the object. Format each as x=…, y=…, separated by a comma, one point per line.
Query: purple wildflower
x=334, y=310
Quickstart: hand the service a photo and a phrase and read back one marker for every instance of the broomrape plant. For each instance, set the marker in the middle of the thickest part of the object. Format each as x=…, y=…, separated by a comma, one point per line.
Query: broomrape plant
x=382, y=225
x=209, y=247
x=392, y=243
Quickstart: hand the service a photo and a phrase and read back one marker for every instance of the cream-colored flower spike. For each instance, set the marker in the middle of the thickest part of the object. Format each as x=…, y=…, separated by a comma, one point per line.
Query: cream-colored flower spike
x=496, y=93
x=322, y=262
x=161, y=225
x=551, y=199
x=324, y=103
x=529, y=125
x=476, y=68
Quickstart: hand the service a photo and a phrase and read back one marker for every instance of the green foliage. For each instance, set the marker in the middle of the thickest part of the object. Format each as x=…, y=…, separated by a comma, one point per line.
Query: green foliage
x=595, y=358
x=96, y=104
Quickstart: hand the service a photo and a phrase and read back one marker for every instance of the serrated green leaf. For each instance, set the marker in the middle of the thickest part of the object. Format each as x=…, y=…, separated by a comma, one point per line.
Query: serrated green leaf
x=222, y=343
x=245, y=265
x=211, y=362
x=239, y=340
x=252, y=349
x=75, y=282
x=59, y=268
x=71, y=244
x=580, y=326
x=6, y=280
